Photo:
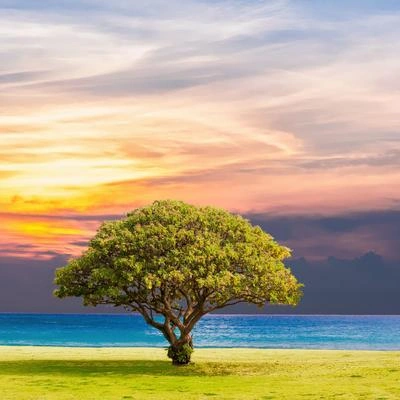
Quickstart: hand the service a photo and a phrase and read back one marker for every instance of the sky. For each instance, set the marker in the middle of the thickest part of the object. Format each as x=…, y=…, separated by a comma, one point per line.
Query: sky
x=283, y=111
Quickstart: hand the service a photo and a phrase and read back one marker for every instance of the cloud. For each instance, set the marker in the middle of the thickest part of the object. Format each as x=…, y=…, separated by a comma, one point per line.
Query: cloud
x=28, y=286
x=63, y=216
x=390, y=158
x=43, y=236
x=343, y=235
x=283, y=107
x=19, y=77
x=366, y=284
x=151, y=76
x=363, y=285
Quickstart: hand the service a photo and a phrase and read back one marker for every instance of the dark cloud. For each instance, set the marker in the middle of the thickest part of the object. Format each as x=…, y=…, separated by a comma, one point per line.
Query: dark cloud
x=363, y=285
x=81, y=243
x=336, y=278
x=337, y=223
x=26, y=285
x=344, y=235
x=366, y=284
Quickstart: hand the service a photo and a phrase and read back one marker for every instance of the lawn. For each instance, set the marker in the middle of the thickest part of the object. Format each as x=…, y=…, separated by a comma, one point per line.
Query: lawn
x=144, y=373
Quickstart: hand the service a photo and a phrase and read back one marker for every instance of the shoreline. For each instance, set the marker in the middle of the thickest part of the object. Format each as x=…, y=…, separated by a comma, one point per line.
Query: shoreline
x=156, y=352
x=208, y=315
x=196, y=348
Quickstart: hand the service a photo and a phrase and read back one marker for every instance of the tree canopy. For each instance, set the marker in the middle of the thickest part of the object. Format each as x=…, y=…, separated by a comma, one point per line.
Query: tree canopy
x=173, y=263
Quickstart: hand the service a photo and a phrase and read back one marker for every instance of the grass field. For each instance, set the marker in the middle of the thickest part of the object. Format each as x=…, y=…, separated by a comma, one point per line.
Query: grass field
x=144, y=373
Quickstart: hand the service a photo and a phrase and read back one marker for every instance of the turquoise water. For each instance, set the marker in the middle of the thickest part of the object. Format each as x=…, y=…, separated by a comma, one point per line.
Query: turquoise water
x=263, y=331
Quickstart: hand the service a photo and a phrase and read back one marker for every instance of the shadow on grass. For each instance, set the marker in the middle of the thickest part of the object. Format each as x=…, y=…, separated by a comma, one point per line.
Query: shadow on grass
x=93, y=368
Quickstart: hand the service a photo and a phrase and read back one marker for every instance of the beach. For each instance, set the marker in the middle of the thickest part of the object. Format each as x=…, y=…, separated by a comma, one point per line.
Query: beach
x=47, y=373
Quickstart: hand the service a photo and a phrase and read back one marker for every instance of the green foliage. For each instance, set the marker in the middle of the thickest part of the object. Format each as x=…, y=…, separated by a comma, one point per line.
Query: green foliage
x=180, y=262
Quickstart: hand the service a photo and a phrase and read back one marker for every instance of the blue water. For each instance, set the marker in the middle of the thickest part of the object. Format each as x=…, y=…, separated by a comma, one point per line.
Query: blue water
x=263, y=331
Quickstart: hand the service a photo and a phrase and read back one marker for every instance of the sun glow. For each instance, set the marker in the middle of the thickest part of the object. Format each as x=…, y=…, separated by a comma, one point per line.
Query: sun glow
x=252, y=108
x=43, y=230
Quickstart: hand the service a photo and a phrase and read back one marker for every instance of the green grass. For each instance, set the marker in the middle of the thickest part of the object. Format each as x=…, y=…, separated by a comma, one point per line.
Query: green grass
x=43, y=373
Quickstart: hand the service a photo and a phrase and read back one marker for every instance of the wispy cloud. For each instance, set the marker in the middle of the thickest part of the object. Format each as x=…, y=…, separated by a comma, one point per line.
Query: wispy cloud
x=286, y=106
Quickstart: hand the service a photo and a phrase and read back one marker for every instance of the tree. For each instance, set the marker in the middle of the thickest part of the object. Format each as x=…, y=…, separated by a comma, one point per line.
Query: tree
x=173, y=263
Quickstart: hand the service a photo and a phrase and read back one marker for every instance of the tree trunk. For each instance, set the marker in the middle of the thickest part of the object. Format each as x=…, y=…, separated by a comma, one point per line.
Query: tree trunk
x=181, y=351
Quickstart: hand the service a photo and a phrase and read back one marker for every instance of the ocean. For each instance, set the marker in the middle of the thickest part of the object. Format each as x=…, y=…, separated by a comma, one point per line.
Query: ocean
x=255, y=331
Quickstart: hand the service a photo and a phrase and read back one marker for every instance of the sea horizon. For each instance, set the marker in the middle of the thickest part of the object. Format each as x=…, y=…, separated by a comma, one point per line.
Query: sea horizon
x=208, y=315
x=287, y=331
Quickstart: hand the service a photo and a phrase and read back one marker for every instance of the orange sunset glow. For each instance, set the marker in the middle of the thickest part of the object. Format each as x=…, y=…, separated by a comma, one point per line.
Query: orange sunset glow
x=245, y=109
